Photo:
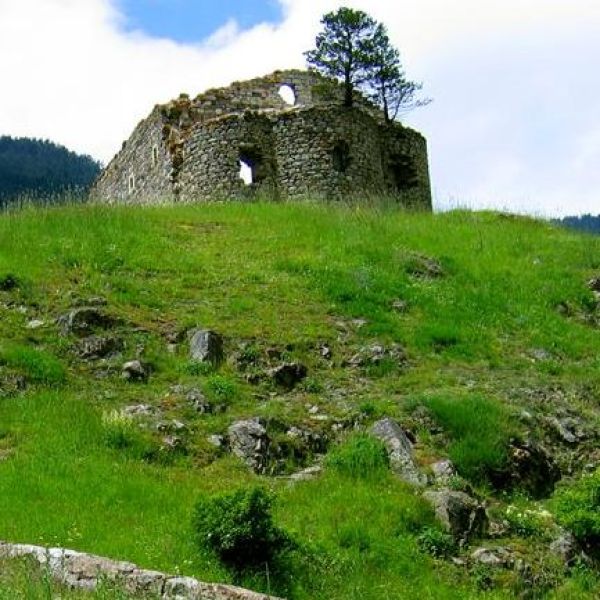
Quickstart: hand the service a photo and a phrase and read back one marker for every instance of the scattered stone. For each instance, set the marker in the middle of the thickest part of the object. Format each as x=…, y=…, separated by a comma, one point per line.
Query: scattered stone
x=140, y=410
x=206, y=346
x=81, y=321
x=443, y=471
x=198, y=400
x=218, y=441
x=94, y=347
x=400, y=306
x=499, y=557
x=566, y=547
x=594, y=286
x=568, y=429
x=134, y=370
x=540, y=354
x=307, y=474
x=172, y=443
x=419, y=265
x=249, y=441
x=461, y=515
x=35, y=324
x=371, y=356
x=173, y=426
x=325, y=352
x=400, y=451
x=288, y=375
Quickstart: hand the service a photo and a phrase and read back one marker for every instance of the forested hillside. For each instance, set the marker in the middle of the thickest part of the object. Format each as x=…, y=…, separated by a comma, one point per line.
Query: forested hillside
x=42, y=170
x=589, y=223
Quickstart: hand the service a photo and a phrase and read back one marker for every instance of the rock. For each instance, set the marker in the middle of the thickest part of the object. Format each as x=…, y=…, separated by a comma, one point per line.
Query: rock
x=134, y=370
x=218, y=441
x=530, y=468
x=460, y=514
x=206, y=346
x=197, y=399
x=35, y=324
x=443, y=471
x=325, y=352
x=93, y=347
x=499, y=557
x=172, y=443
x=139, y=410
x=249, y=441
x=288, y=375
x=566, y=547
x=567, y=429
x=173, y=426
x=420, y=265
x=307, y=474
x=81, y=321
x=400, y=451
x=594, y=285
x=400, y=306
x=375, y=354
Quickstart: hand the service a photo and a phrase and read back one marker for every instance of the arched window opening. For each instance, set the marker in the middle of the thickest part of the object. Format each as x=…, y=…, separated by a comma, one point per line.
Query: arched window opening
x=288, y=94
x=252, y=165
x=341, y=156
x=246, y=172
x=131, y=183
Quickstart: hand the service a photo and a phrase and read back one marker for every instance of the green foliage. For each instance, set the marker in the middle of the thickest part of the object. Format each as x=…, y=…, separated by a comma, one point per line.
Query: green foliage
x=528, y=522
x=578, y=508
x=437, y=543
x=220, y=388
x=479, y=429
x=120, y=429
x=361, y=456
x=37, y=366
x=239, y=527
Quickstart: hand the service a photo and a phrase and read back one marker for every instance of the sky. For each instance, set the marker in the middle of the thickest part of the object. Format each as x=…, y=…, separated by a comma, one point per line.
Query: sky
x=514, y=123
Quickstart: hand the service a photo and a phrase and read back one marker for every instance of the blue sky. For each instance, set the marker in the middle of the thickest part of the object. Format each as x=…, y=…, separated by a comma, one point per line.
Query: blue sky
x=193, y=20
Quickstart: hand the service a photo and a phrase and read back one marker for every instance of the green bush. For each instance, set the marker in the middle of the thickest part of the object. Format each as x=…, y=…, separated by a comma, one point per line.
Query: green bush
x=38, y=366
x=360, y=457
x=578, y=508
x=436, y=542
x=479, y=429
x=239, y=527
x=220, y=388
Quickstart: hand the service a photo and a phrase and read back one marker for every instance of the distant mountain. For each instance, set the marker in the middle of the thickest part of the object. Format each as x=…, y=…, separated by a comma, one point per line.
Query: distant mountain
x=588, y=223
x=42, y=171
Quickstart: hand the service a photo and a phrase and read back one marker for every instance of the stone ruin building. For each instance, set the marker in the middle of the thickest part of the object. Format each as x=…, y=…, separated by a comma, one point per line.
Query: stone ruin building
x=287, y=133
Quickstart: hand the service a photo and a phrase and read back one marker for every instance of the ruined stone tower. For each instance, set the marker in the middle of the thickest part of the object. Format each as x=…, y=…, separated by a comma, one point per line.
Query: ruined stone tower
x=290, y=131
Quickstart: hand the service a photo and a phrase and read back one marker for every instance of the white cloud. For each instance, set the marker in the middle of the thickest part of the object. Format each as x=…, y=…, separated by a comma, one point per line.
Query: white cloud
x=514, y=123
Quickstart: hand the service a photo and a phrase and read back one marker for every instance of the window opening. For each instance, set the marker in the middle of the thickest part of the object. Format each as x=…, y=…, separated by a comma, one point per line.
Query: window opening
x=287, y=94
x=341, y=156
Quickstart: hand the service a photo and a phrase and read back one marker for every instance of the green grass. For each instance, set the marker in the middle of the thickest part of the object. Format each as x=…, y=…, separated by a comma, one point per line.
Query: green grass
x=286, y=277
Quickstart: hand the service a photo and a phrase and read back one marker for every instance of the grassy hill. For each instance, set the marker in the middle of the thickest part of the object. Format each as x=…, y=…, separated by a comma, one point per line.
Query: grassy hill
x=489, y=337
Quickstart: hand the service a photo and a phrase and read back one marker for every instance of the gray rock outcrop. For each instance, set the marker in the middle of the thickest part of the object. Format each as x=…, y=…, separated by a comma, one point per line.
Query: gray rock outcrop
x=83, y=321
x=206, y=346
x=462, y=516
x=248, y=440
x=400, y=451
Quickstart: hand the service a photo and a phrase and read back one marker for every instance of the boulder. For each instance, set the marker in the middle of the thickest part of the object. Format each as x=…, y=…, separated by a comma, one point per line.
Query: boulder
x=249, y=441
x=566, y=547
x=206, y=346
x=499, y=557
x=443, y=471
x=288, y=375
x=375, y=354
x=84, y=320
x=461, y=515
x=94, y=347
x=134, y=370
x=400, y=451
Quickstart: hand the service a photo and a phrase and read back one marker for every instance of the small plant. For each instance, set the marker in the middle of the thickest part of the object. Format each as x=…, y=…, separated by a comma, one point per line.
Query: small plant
x=437, y=543
x=527, y=522
x=119, y=429
x=197, y=369
x=312, y=385
x=578, y=508
x=220, y=388
x=239, y=527
x=360, y=457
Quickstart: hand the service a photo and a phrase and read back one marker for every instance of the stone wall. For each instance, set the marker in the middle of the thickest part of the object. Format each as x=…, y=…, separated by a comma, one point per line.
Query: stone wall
x=190, y=150
x=86, y=571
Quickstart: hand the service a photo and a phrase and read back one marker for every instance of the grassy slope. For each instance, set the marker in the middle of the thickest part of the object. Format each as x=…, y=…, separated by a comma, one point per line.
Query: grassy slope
x=280, y=274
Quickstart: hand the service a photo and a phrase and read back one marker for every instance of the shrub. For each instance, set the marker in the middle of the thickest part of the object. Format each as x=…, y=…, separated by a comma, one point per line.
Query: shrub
x=238, y=527
x=36, y=365
x=436, y=542
x=578, y=508
x=527, y=522
x=220, y=389
x=360, y=456
x=480, y=430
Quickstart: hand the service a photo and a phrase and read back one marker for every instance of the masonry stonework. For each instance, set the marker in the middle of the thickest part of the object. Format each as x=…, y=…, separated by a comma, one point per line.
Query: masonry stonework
x=191, y=150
